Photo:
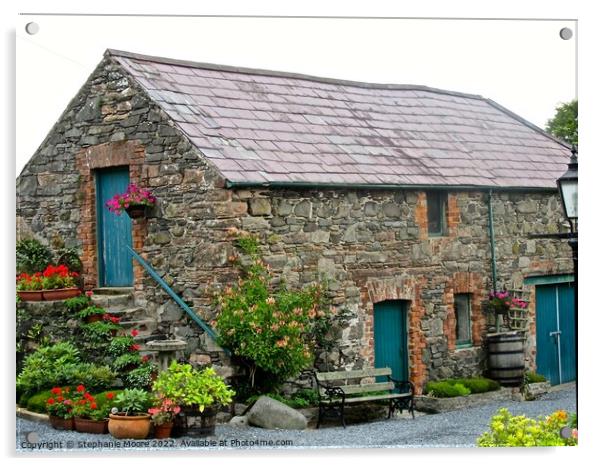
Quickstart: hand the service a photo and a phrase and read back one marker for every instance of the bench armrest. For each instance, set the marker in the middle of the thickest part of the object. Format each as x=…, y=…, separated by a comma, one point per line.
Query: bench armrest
x=330, y=391
x=403, y=385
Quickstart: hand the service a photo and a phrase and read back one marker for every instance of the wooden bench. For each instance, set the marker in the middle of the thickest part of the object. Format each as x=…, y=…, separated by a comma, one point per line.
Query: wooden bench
x=338, y=389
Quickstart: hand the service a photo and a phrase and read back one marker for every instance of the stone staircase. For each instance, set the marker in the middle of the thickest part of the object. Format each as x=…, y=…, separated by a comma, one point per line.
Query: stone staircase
x=120, y=302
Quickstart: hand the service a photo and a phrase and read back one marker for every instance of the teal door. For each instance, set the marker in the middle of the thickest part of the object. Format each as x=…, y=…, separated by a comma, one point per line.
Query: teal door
x=555, y=333
x=114, y=231
x=391, y=337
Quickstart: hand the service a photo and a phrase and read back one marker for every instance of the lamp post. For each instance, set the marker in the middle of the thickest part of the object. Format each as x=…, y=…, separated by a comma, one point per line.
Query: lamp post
x=567, y=187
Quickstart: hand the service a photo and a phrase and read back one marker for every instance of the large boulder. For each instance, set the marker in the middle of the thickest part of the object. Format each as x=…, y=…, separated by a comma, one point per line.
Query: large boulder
x=272, y=414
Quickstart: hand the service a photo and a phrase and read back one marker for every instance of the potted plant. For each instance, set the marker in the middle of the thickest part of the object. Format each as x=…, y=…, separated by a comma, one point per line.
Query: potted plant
x=29, y=287
x=134, y=201
x=91, y=314
x=89, y=417
x=198, y=392
x=60, y=409
x=130, y=419
x=142, y=376
x=58, y=282
x=162, y=415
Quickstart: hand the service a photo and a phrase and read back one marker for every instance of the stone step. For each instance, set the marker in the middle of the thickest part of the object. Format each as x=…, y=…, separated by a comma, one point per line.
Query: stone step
x=114, y=290
x=145, y=327
x=128, y=313
x=113, y=302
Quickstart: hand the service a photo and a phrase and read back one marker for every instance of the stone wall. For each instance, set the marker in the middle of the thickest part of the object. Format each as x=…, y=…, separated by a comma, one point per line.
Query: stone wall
x=370, y=245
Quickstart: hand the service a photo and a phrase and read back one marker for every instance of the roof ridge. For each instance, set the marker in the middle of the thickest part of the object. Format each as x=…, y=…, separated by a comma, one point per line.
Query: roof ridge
x=286, y=74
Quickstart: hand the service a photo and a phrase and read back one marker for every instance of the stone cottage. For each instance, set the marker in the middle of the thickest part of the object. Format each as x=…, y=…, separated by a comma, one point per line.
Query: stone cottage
x=396, y=194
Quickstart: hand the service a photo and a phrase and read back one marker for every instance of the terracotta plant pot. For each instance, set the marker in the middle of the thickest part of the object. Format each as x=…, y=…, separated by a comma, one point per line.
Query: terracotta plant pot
x=30, y=295
x=89, y=426
x=163, y=430
x=136, y=427
x=61, y=293
x=136, y=211
x=93, y=318
x=60, y=423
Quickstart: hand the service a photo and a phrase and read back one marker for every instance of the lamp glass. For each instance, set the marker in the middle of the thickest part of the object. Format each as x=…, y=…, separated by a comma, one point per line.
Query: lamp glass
x=569, y=197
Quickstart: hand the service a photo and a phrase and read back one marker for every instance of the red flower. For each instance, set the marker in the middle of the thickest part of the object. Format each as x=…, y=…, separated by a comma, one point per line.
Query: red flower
x=134, y=333
x=93, y=405
x=89, y=293
x=56, y=391
x=81, y=388
x=110, y=396
x=145, y=358
x=59, y=398
x=134, y=347
x=50, y=401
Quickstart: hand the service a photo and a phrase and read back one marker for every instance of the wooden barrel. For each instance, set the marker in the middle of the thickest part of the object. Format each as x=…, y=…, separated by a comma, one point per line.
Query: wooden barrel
x=507, y=358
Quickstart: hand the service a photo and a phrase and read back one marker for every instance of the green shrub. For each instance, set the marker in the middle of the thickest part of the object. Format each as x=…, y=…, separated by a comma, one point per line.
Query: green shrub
x=191, y=387
x=57, y=366
x=446, y=389
x=48, y=367
x=449, y=388
x=77, y=303
x=127, y=359
x=141, y=377
x=532, y=377
x=89, y=311
x=37, y=402
x=477, y=384
x=272, y=332
x=305, y=398
x=32, y=256
x=120, y=345
x=133, y=401
x=507, y=430
x=92, y=376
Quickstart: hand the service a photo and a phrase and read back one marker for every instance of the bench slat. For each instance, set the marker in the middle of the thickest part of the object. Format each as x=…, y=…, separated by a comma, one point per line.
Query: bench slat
x=368, y=387
x=370, y=398
x=355, y=374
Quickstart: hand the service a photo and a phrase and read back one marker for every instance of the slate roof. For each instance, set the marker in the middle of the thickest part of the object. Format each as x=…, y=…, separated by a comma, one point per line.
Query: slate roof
x=269, y=127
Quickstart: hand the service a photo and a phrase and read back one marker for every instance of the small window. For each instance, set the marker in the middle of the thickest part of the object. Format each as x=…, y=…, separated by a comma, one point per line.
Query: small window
x=436, y=208
x=463, y=321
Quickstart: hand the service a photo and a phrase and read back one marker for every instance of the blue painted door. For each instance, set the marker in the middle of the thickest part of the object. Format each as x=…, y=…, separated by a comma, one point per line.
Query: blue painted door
x=391, y=337
x=114, y=231
x=555, y=332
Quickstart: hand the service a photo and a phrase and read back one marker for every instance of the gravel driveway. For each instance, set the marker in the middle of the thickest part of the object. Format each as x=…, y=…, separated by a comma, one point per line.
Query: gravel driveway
x=453, y=429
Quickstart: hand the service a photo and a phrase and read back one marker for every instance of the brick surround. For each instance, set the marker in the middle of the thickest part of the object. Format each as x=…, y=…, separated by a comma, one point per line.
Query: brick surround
x=465, y=283
x=402, y=289
x=111, y=154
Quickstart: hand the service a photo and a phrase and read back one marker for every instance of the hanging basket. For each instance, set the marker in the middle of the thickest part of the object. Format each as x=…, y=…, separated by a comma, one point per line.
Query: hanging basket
x=136, y=211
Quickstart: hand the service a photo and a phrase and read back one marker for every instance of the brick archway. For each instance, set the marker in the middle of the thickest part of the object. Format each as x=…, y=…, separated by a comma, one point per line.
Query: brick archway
x=398, y=288
x=111, y=154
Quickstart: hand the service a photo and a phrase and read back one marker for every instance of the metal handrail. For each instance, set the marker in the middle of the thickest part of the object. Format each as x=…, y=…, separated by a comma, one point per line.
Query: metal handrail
x=208, y=330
